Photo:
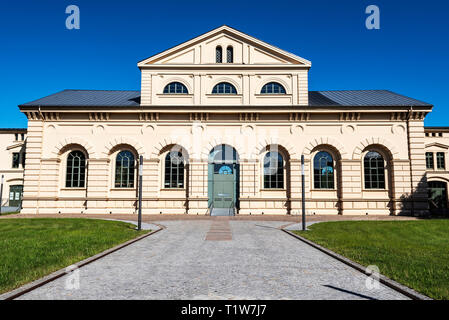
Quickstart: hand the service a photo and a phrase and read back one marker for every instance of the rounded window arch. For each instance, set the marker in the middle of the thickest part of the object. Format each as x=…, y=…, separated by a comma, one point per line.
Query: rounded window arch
x=273, y=170
x=374, y=170
x=174, y=170
x=76, y=170
x=273, y=88
x=218, y=54
x=229, y=54
x=323, y=171
x=125, y=165
x=175, y=88
x=224, y=88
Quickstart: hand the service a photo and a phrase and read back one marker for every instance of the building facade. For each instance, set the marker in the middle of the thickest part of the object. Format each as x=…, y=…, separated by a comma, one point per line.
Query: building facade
x=221, y=122
x=12, y=162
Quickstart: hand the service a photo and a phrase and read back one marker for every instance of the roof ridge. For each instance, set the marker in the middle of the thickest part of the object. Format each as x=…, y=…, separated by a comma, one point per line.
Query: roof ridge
x=121, y=90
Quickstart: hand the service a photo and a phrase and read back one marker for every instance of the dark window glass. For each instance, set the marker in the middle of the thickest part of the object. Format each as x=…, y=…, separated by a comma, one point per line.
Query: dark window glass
x=323, y=171
x=15, y=159
x=440, y=134
x=440, y=160
x=224, y=88
x=273, y=171
x=76, y=170
x=174, y=170
x=218, y=55
x=273, y=88
x=229, y=55
x=374, y=168
x=175, y=88
x=16, y=136
x=124, y=170
x=22, y=135
x=429, y=160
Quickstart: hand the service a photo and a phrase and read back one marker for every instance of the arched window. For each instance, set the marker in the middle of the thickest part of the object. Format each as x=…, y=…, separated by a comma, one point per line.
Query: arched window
x=224, y=88
x=218, y=55
x=273, y=88
x=174, y=170
x=374, y=170
x=273, y=171
x=230, y=54
x=76, y=170
x=124, y=170
x=175, y=88
x=323, y=171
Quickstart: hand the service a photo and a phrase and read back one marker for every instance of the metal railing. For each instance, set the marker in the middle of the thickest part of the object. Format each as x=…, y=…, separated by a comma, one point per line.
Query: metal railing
x=209, y=209
x=231, y=209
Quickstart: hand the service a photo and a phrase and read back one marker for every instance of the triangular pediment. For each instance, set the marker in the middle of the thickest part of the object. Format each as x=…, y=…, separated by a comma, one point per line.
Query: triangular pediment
x=247, y=50
x=438, y=145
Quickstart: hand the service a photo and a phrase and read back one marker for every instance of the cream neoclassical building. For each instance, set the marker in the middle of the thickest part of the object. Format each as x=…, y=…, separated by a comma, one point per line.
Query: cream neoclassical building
x=221, y=122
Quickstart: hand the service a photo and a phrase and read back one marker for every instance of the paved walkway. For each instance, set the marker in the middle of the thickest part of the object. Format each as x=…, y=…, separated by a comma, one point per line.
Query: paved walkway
x=257, y=262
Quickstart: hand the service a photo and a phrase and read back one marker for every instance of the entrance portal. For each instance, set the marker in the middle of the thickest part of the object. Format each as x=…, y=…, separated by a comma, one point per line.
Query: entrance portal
x=438, y=197
x=223, y=178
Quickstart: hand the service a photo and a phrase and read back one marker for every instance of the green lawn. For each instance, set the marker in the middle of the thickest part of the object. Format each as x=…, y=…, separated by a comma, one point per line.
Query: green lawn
x=33, y=248
x=414, y=253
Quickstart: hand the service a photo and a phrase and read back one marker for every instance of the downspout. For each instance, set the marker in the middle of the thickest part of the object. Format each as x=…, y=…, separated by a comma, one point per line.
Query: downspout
x=410, y=161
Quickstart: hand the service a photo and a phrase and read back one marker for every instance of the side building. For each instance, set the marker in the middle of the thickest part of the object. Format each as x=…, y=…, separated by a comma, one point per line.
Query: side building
x=12, y=164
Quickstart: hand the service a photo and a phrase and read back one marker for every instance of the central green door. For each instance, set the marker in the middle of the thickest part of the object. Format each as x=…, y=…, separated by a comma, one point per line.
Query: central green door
x=223, y=190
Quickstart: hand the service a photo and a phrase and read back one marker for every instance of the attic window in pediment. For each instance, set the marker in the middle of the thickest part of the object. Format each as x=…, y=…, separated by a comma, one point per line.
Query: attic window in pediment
x=273, y=88
x=175, y=88
x=224, y=88
x=218, y=55
x=230, y=54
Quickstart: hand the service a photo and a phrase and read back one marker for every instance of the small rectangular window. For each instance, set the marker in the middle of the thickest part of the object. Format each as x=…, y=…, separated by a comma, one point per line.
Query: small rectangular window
x=429, y=160
x=440, y=134
x=22, y=136
x=440, y=160
x=16, y=136
x=15, y=159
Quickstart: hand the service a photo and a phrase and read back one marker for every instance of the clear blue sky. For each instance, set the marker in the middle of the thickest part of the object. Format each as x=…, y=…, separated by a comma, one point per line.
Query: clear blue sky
x=39, y=56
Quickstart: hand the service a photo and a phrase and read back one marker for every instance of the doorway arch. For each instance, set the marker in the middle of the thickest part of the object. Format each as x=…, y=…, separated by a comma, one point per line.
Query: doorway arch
x=223, y=179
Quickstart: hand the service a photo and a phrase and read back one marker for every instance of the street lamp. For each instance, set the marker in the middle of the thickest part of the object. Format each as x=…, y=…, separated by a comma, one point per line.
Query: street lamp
x=303, y=194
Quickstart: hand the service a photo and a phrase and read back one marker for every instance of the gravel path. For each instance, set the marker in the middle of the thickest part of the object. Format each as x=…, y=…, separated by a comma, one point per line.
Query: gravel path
x=260, y=262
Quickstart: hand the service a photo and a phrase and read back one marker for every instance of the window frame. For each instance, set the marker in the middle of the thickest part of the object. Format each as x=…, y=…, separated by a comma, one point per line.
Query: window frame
x=130, y=184
x=272, y=83
x=15, y=165
x=218, y=50
x=230, y=51
x=334, y=173
x=168, y=171
x=432, y=158
x=385, y=172
x=233, y=88
x=442, y=165
x=83, y=186
x=264, y=187
x=176, y=83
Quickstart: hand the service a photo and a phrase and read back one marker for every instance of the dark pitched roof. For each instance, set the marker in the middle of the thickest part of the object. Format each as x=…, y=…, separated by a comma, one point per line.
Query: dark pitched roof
x=355, y=98
x=117, y=98
x=89, y=98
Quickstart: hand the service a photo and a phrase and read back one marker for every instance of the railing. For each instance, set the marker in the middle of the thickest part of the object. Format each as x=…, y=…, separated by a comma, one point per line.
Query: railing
x=231, y=209
x=209, y=209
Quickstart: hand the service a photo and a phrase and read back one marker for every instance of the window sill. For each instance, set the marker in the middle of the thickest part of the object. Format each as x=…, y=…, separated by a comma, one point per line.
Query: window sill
x=323, y=189
x=173, y=189
x=273, y=189
x=123, y=189
x=73, y=189
x=373, y=190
